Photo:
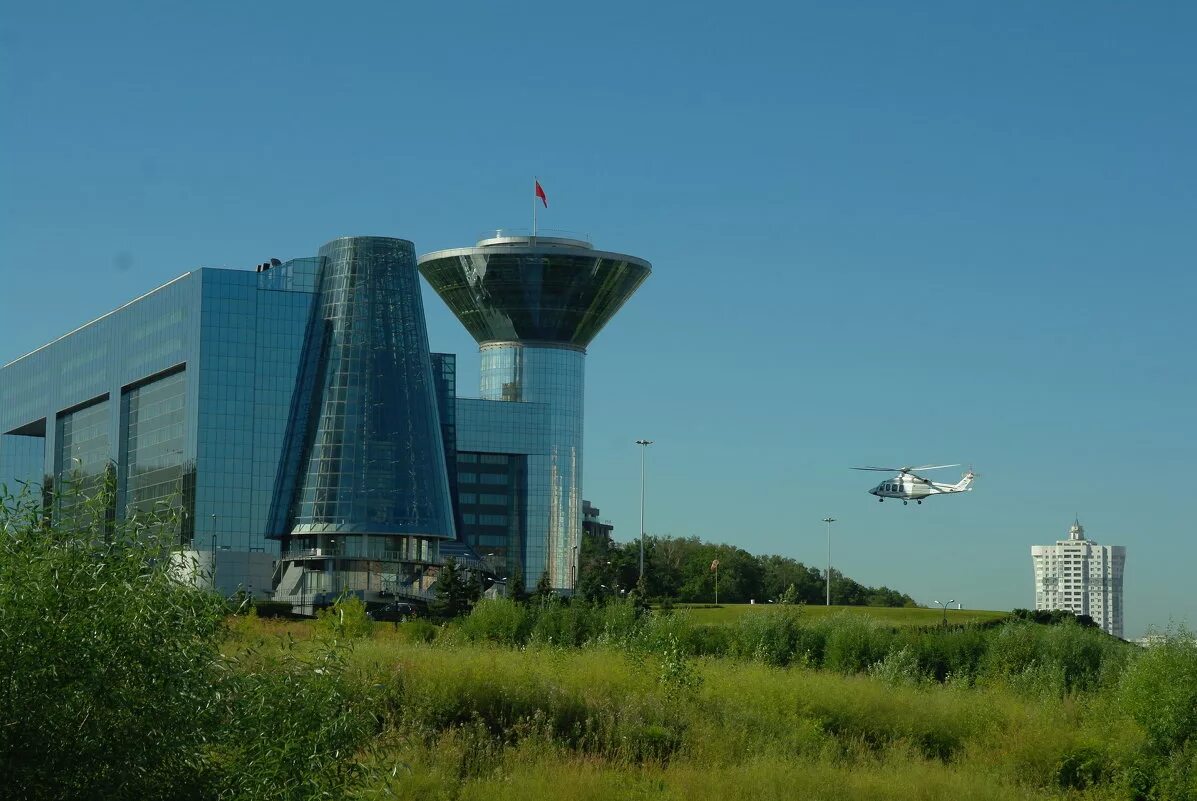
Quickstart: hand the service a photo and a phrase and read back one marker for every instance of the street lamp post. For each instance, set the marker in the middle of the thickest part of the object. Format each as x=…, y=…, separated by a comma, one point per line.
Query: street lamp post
x=829, y=521
x=214, y=552
x=644, y=443
x=945, y=605
x=573, y=565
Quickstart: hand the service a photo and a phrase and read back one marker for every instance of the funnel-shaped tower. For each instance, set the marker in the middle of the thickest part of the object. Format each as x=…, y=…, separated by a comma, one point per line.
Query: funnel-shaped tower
x=363, y=496
x=534, y=304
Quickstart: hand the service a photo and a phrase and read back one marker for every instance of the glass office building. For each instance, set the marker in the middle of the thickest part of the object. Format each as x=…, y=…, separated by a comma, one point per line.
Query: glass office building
x=293, y=421
x=533, y=304
x=183, y=396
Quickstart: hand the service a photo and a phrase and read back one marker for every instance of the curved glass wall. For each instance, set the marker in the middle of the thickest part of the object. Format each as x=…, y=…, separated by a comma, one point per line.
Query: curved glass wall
x=373, y=460
x=554, y=376
x=563, y=295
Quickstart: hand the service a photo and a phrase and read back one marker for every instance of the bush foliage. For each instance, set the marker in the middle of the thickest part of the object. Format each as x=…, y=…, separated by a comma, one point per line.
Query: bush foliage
x=112, y=679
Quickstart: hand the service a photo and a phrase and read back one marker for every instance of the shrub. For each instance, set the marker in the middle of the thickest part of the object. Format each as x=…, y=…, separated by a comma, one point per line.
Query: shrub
x=112, y=682
x=769, y=637
x=900, y=667
x=854, y=643
x=1058, y=658
x=1159, y=691
x=1012, y=650
x=499, y=620
x=109, y=663
x=660, y=632
x=618, y=621
x=291, y=725
x=346, y=619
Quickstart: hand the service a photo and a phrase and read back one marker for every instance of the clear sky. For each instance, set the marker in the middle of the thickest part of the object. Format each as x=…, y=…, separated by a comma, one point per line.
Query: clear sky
x=881, y=233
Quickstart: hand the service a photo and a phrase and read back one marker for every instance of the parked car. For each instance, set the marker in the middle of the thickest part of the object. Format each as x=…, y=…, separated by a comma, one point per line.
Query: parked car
x=396, y=612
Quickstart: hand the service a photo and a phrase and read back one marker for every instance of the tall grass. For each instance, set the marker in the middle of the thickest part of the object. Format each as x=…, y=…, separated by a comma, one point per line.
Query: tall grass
x=476, y=720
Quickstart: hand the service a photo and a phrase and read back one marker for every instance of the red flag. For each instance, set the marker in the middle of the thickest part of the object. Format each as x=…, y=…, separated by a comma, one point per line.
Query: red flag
x=540, y=194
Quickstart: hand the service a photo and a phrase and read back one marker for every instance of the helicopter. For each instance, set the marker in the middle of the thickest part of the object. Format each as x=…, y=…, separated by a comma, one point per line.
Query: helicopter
x=908, y=485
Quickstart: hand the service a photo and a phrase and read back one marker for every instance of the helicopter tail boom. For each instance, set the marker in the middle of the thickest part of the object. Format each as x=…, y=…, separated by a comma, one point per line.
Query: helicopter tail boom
x=965, y=483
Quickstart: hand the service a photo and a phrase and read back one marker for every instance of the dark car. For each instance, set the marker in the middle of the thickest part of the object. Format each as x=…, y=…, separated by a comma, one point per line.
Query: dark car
x=396, y=612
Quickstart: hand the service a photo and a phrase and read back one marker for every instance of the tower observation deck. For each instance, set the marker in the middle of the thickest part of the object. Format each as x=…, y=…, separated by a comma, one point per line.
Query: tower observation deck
x=534, y=304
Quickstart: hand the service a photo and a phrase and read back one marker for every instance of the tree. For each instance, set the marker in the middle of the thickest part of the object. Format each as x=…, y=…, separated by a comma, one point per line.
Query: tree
x=452, y=594
x=544, y=588
x=475, y=588
x=515, y=586
x=790, y=596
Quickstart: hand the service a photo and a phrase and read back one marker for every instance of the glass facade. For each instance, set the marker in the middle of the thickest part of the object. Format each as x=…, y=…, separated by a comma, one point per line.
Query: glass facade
x=533, y=305
x=519, y=433
x=252, y=328
x=82, y=455
x=186, y=392
x=493, y=500
x=153, y=426
x=375, y=460
x=555, y=379
x=534, y=292
x=370, y=499
x=22, y=457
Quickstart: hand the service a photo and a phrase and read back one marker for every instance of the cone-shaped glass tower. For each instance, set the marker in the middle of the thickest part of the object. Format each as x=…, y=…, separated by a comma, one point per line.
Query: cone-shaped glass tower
x=363, y=496
x=534, y=304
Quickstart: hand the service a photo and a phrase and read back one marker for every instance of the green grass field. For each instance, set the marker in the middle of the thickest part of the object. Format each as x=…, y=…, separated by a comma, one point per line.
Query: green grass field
x=469, y=721
x=1026, y=711
x=730, y=613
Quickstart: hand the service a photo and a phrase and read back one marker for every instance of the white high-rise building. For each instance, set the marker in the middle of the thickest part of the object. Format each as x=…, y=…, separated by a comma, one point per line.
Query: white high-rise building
x=1082, y=577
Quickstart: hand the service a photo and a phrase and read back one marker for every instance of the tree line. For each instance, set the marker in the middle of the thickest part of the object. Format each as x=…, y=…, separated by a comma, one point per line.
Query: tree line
x=681, y=569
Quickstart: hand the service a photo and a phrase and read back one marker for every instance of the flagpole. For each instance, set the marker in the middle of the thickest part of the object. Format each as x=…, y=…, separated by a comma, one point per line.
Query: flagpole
x=534, y=209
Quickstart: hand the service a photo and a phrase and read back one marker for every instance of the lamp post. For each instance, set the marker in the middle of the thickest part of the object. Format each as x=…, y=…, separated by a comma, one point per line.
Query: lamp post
x=643, y=443
x=829, y=521
x=214, y=552
x=945, y=605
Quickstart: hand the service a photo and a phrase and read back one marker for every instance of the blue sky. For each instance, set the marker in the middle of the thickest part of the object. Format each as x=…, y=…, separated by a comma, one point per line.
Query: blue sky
x=881, y=233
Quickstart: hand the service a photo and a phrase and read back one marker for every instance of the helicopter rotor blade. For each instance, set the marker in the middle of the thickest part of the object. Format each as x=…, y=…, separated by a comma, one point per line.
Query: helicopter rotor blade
x=929, y=467
x=883, y=469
